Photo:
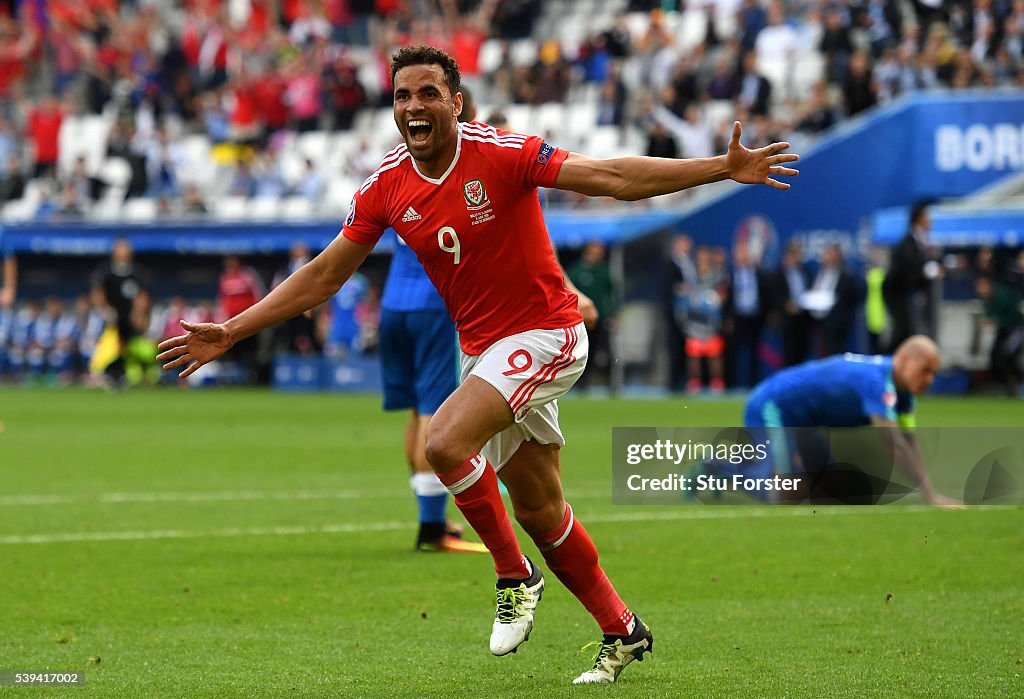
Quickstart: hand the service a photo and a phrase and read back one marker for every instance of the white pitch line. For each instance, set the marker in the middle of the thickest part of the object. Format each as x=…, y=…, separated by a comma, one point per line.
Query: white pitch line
x=691, y=512
x=172, y=497
x=215, y=496
x=214, y=533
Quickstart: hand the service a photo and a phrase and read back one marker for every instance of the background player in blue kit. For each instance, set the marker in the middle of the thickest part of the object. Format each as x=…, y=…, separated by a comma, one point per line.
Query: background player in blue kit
x=420, y=370
x=343, y=333
x=847, y=390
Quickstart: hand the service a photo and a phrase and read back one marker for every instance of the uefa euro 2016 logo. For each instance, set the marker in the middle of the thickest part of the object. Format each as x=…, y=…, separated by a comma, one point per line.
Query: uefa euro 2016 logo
x=476, y=195
x=544, y=154
x=758, y=232
x=350, y=219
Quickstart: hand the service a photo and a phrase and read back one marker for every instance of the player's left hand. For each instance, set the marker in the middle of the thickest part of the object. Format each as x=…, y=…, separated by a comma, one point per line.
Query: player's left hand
x=756, y=166
x=587, y=309
x=203, y=343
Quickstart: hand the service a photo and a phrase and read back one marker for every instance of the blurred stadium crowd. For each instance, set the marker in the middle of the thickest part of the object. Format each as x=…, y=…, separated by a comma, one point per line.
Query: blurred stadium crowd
x=270, y=108
x=278, y=109
x=57, y=342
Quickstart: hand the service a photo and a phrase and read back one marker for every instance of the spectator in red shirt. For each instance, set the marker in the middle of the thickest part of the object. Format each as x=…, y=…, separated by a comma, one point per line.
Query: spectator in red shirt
x=346, y=93
x=43, y=128
x=268, y=95
x=252, y=33
x=241, y=287
x=290, y=10
x=243, y=119
x=16, y=43
x=468, y=33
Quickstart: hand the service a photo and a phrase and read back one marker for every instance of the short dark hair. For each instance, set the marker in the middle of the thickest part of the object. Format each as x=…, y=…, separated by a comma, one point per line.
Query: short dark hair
x=425, y=56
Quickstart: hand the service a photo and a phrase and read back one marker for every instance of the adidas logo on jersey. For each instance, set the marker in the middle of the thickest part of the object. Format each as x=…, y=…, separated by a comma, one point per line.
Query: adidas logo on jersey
x=410, y=215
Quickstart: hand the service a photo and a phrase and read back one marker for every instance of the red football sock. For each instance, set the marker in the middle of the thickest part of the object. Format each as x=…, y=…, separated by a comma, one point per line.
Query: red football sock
x=474, y=487
x=571, y=555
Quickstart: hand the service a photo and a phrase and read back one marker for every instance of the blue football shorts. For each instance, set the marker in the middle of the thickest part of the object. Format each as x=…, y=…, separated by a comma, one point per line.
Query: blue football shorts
x=418, y=359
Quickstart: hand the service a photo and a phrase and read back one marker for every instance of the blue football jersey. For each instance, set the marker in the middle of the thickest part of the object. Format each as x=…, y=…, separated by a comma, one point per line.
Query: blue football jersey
x=344, y=329
x=841, y=391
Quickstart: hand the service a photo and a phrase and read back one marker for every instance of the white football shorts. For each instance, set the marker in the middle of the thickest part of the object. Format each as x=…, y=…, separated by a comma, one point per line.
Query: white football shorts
x=531, y=370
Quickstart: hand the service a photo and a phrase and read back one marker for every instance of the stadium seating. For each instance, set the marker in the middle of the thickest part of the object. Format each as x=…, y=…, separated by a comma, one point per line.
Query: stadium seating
x=264, y=209
x=139, y=210
x=199, y=167
x=232, y=208
x=296, y=208
x=108, y=208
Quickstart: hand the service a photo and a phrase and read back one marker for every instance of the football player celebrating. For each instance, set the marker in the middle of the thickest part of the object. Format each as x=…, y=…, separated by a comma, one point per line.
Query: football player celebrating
x=479, y=233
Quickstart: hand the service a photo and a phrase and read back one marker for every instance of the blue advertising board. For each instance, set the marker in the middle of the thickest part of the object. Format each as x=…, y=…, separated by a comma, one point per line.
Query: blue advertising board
x=317, y=373
x=929, y=146
x=568, y=228
x=956, y=228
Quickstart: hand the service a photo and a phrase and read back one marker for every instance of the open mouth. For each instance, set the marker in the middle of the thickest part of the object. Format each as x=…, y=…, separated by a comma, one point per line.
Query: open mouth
x=419, y=130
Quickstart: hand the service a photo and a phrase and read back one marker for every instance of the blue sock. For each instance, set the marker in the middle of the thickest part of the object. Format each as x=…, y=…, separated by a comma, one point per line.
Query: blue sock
x=431, y=496
x=432, y=507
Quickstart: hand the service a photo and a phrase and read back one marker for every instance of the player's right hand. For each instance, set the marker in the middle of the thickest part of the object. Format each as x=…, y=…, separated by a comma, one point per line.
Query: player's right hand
x=203, y=343
x=588, y=309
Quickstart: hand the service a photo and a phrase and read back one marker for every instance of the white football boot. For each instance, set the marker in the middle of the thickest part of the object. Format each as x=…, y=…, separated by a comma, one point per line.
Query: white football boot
x=513, y=620
x=615, y=653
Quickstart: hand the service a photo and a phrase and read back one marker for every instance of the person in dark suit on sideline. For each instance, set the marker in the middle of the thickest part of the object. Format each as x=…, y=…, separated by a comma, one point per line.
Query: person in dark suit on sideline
x=677, y=283
x=836, y=283
x=911, y=269
x=746, y=305
x=788, y=284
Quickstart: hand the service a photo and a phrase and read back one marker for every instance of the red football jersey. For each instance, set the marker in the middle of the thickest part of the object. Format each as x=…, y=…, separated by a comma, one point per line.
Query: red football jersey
x=478, y=230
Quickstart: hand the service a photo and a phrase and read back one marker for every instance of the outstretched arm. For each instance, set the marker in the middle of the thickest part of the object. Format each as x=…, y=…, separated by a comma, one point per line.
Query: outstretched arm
x=908, y=457
x=639, y=177
x=311, y=285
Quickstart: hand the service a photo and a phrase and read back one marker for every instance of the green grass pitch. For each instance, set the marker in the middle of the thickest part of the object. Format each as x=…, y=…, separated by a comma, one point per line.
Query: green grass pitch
x=225, y=543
